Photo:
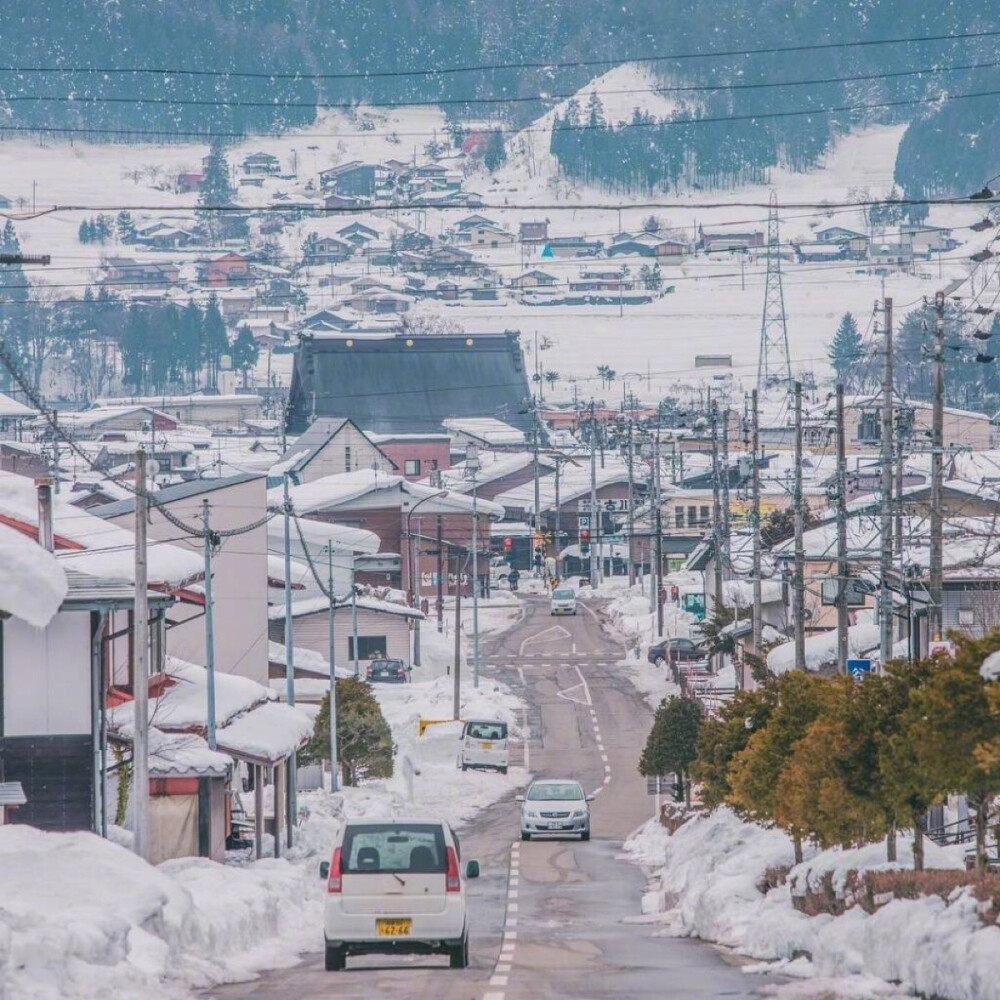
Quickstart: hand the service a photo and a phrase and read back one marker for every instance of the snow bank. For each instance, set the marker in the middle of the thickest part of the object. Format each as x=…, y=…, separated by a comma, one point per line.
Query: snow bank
x=705, y=885
x=821, y=649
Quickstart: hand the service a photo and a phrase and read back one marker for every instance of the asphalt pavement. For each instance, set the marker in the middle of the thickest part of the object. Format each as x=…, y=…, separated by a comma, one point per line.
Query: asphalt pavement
x=549, y=918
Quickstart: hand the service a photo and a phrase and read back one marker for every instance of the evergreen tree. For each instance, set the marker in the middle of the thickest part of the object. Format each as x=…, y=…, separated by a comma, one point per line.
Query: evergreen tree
x=245, y=352
x=125, y=226
x=86, y=231
x=190, y=342
x=495, y=154
x=364, y=740
x=595, y=111
x=846, y=348
x=672, y=744
x=214, y=341
x=216, y=190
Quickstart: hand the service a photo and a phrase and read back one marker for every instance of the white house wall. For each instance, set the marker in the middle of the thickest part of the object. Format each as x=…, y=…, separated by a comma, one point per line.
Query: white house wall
x=46, y=676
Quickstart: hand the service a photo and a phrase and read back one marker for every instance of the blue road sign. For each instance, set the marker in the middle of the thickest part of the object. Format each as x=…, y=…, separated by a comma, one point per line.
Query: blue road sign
x=859, y=669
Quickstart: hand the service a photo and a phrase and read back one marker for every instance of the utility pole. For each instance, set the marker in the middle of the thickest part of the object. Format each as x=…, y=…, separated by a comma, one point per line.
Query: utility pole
x=716, y=516
x=726, y=527
x=458, y=637
x=658, y=520
x=536, y=524
x=885, y=512
x=209, y=624
x=937, y=473
x=558, y=525
x=440, y=574
x=594, y=513
x=842, y=567
x=334, y=757
x=755, y=515
x=140, y=669
x=631, y=503
x=290, y=790
x=798, y=578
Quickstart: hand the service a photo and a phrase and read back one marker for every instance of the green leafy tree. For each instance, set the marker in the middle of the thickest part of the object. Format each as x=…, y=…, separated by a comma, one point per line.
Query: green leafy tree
x=672, y=744
x=950, y=720
x=721, y=738
x=755, y=773
x=846, y=348
x=364, y=740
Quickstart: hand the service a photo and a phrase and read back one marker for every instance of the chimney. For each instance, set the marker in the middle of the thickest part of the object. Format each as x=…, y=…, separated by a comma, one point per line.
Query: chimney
x=45, y=535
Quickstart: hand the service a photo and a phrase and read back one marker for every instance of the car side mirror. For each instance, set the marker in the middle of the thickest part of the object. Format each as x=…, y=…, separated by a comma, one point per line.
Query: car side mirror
x=324, y=870
x=472, y=869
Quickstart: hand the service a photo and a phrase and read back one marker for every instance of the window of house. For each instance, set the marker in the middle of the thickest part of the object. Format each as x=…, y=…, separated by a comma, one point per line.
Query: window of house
x=692, y=516
x=369, y=647
x=678, y=517
x=347, y=458
x=705, y=517
x=870, y=426
x=411, y=467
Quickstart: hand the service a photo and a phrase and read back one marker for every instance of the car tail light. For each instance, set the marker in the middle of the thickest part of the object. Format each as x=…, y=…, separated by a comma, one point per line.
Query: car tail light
x=452, y=881
x=336, y=882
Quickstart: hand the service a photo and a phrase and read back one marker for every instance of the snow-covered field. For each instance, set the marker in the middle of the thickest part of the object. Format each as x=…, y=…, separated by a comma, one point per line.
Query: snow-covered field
x=704, y=883
x=82, y=918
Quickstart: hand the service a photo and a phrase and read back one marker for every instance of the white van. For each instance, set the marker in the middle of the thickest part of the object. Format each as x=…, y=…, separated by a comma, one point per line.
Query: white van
x=563, y=601
x=484, y=744
x=396, y=887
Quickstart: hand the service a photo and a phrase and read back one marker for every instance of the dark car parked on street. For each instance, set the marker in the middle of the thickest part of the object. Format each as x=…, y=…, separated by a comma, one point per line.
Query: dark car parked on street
x=675, y=651
x=387, y=672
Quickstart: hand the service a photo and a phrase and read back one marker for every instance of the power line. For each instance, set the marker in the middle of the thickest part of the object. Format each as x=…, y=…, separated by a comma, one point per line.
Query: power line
x=479, y=68
x=361, y=105
x=209, y=133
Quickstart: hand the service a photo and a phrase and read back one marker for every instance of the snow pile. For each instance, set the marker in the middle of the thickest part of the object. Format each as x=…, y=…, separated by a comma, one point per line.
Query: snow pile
x=705, y=885
x=33, y=584
x=990, y=670
x=821, y=649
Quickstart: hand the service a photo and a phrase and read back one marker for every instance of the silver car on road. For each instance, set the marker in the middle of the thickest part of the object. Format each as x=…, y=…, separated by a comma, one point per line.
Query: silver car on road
x=555, y=805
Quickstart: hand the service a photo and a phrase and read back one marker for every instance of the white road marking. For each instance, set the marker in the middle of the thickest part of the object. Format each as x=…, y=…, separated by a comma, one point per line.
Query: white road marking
x=512, y=894
x=567, y=693
x=512, y=907
x=583, y=681
x=494, y=996
x=604, y=757
x=503, y=968
x=520, y=673
x=553, y=633
x=607, y=778
x=498, y=981
x=510, y=935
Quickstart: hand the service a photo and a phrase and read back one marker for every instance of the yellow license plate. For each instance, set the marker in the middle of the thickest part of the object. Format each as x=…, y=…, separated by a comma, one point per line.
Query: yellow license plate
x=486, y=746
x=393, y=928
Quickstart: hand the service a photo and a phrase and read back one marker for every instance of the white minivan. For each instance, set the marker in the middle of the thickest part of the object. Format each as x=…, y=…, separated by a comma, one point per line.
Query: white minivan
x=484, y=744
x=396, y=887
x=563, y=601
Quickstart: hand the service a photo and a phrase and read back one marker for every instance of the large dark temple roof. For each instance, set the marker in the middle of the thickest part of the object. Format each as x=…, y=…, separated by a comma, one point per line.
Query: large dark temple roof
x=404, y=383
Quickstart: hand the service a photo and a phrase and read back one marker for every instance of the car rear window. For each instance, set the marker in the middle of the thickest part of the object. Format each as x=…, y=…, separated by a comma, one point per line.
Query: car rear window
x=487, y=730
x=394, y=847
x=562, y=792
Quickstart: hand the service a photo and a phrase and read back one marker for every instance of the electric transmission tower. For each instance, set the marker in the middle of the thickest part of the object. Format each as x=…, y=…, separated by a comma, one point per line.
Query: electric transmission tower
x=773, y=365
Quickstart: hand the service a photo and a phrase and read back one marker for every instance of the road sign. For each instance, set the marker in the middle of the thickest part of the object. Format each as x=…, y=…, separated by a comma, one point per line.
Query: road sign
x=583, y=521
x=610, y=506
x=859, y=669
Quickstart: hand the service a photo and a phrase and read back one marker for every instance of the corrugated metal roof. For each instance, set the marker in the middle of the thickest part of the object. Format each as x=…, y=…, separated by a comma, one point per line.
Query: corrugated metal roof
x=194, y=488
x=86, y=589
x=12, y=794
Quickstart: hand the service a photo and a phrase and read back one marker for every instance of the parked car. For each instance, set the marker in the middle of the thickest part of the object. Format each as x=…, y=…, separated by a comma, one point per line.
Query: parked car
x=675, y=651
x=387, y=672
x=396, y=887
x=563, y=602
x=484, y=744
x=499, y=571
x=554, y=805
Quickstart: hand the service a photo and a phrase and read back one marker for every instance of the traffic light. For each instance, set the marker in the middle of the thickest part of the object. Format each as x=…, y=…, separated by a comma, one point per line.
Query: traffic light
x=508, y=546
x=585, y=541
x=538, y=555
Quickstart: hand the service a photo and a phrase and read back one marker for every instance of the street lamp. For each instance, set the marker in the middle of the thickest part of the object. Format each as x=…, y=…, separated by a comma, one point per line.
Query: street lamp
x=472, y=468
x=412, y=551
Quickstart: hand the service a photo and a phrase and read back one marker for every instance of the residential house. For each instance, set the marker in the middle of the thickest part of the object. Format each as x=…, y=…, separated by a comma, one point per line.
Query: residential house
x=415, y=455
x=725, y=241
x=330, y=446
x=383, y=629
x=11, y=797
x=126, y=273
x=499, y=471
x=819, y=250
x=926, y=239
x=643, y=245
x=188, y=182
x=534, y=231
x=355, y=179
x=216, y=412
x=261, y=163
x=856, y=244
x=379, y=301
x=476, y=230
x=228, y=271
x=483, y=432
x=595, y=279
x=5, y=202
x=399, y=513
x=358, y=234
x=891, y=254
x=572, y=246
x=672, y=250
x=327, y=250
x=534, y=279
x=115, y=420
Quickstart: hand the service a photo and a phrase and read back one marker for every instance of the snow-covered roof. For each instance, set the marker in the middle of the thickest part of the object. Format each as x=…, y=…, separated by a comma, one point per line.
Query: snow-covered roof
x=32, y=583
x=344, y=488
x=311, y=605
x=183, y=705
x=739, y=593
x=307, y=659
x=821, y=649
x=489, y=430
x=574, y=484
x=342, y=538
x=184, y=755
x=268, y=733
x=493, y=465
x=90, y=544
x=11, y=408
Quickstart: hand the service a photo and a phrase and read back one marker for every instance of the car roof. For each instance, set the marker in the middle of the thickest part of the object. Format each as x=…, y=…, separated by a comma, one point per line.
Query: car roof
x=396, y=820
x=556, y=781
x=485, y=722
